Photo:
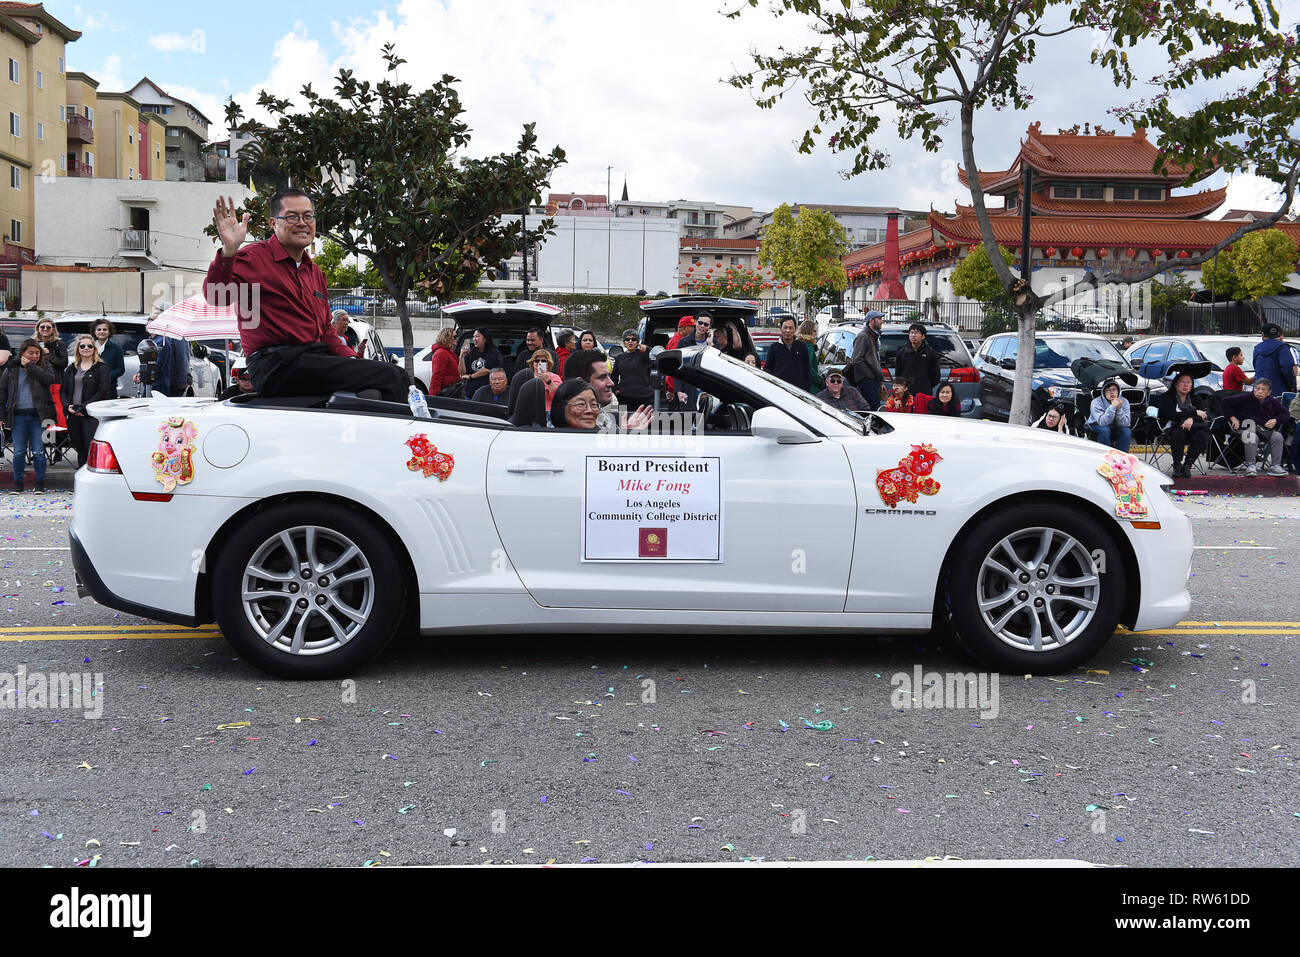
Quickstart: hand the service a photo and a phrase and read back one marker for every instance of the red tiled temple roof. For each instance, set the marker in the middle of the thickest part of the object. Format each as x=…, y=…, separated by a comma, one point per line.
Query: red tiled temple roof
x=1178, y=207
x=1072, y=155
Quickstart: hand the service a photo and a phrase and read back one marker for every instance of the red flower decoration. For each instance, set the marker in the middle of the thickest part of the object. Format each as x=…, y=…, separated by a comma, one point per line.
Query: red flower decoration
x=426, y=458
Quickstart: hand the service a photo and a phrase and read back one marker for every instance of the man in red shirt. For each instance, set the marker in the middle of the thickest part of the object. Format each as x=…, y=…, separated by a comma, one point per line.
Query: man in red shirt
x=284, y=322
x=1234, y=380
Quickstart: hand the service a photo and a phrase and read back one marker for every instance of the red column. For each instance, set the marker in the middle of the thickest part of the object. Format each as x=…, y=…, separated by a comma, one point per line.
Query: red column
x=891, y=284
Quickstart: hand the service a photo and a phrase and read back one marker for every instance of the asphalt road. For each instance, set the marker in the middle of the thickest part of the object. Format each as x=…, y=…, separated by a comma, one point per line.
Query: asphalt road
x=475, y=750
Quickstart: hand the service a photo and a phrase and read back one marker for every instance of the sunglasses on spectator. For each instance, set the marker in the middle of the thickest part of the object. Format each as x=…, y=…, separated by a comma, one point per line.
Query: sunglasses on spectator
x=87, y=346
x=243, y=374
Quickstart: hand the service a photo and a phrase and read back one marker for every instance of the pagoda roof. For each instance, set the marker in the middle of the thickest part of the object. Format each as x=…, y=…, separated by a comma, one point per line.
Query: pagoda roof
x=1070, y=154
x=921, y=238
x=1091, y=232
x=1176, y=207
x=1139, y=232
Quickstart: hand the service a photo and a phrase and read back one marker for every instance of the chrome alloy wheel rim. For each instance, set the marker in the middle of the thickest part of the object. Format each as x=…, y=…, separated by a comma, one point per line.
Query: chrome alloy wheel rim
x=1038, y=589
x=307, y=590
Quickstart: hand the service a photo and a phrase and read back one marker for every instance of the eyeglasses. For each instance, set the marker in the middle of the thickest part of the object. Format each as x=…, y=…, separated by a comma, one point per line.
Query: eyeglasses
x=834, y=378
x=583, y=405
x=242, y=375
x=88, y=346
x=631, y=339
x=294, y=218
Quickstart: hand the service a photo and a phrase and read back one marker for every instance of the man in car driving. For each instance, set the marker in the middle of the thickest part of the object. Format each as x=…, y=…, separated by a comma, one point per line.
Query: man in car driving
x=291, y=347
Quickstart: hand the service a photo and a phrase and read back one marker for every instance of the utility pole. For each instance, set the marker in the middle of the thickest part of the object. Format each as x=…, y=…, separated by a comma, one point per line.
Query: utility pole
x=523, y=224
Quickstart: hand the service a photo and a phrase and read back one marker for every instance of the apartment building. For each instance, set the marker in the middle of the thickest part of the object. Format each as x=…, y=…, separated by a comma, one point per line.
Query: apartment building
x=33, y=140
x=186, y=130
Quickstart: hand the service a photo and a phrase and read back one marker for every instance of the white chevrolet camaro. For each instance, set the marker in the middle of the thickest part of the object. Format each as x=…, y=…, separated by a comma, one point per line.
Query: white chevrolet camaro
x=314, y=531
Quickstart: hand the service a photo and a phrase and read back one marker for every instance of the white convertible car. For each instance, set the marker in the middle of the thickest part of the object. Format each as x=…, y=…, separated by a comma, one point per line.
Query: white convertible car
x=315, y=530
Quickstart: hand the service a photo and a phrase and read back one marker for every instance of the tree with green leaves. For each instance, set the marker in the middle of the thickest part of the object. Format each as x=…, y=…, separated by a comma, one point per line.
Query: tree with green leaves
x=1170, y=294
x=338, y=274
x=918, y=63
x=805, y=249
x=975, y=278
x=393, y=183
x=1256, y=266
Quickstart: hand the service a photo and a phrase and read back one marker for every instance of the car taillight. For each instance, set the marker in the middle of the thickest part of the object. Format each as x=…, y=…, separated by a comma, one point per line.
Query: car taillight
x=100, y=458
x=886, y=373
x=964, y=374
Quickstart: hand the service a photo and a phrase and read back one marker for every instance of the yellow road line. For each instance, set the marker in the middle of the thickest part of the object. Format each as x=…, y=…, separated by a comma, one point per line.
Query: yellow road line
x=47, y=630
x=1279, y=624
x=111, y=636
x=1224, y=632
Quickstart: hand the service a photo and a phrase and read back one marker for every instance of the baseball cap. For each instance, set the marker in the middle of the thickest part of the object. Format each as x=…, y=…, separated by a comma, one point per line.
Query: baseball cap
x=874, y=314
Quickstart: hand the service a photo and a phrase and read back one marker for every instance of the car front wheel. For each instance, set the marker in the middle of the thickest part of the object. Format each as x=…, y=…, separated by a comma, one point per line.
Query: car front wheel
x=1037, y=589
x=305, y=591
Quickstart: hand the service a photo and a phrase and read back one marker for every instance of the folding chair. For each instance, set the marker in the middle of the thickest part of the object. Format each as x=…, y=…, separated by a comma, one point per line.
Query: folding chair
x=1225, y=449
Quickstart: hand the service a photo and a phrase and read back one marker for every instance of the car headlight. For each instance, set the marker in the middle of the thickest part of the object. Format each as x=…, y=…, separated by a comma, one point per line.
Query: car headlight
x=1061, y=392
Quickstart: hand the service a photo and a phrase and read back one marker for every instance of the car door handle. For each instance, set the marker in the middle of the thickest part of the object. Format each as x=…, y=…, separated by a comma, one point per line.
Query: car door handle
x=535, y=465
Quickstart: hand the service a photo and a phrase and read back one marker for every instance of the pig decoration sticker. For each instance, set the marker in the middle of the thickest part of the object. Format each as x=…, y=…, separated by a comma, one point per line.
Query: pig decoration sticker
x=1120, y=469
x=173, y=462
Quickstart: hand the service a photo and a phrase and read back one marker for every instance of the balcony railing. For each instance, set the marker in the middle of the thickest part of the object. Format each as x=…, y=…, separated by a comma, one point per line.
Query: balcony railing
x=134, y=240
x=80, y=129
x=77, y=168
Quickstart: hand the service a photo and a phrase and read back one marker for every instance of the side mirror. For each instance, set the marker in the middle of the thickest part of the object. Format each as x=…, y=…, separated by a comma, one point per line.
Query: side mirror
x=1008, y=363
x=773, y=423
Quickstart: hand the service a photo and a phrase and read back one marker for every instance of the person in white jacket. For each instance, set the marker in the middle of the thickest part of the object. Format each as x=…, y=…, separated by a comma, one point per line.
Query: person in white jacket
x=1111, y=417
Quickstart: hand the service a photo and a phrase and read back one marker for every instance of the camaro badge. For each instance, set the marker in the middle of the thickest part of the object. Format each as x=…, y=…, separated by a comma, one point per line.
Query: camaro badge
x=426, y=458
x=173, y=463
x=1120, y=469
x=910, y=477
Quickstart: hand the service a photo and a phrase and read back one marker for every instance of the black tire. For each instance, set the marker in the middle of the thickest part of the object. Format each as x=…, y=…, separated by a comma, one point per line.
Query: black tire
x=964, y=586
x=377, y=597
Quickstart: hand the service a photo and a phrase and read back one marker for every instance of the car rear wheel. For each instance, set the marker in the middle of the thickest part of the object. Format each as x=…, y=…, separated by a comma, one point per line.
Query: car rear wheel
x=307, y=592
x=1026, y=595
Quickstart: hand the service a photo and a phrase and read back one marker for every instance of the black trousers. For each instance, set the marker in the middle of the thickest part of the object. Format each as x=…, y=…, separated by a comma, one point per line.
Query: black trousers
x=1194, y=441
x=81, y=432
x=313, y=370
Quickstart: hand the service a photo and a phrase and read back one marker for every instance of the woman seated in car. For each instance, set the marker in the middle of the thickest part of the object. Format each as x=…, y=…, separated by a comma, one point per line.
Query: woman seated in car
x=574, y=407
x=543, y=367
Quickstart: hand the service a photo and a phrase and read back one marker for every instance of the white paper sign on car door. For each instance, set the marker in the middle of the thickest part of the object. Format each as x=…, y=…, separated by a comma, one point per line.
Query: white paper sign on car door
x=652, y=508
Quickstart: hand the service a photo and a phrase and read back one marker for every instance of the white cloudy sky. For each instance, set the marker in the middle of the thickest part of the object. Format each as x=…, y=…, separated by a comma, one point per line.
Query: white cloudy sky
x=636, y=86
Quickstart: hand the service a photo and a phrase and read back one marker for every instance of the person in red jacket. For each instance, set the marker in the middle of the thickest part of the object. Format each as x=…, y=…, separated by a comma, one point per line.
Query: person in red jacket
x=566, y=347
x=445, y=372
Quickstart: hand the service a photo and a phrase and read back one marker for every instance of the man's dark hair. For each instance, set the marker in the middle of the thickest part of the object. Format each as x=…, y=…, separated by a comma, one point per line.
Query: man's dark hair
x=785, y=319
x=919, y=327
x=580, y=364
x=536, y=330
x=277, y=200
x=1233, y=352
x=1272, y=331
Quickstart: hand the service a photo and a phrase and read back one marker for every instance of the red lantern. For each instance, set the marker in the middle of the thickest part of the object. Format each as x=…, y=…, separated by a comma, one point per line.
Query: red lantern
x=1184, y=254
x=1131, y=253
x=1076, y=253
x=1103, y=253
x=1050, y=251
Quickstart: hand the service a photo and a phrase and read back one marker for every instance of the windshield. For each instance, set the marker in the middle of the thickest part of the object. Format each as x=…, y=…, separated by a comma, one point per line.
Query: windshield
x=1216, y=351
x=851, y=421
x=1059, y=353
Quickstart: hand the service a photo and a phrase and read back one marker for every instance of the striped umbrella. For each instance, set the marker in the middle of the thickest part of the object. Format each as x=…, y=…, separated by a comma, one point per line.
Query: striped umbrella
x=193, y=318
